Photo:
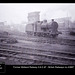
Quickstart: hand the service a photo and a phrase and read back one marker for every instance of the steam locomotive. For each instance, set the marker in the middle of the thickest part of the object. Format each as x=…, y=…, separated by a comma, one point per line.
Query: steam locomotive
x=35, y=27
x=41, y=29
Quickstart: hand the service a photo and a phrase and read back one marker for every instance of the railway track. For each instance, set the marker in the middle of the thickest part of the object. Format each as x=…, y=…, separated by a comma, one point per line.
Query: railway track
x=38, y=55
x=61, y=41
x=39, y=50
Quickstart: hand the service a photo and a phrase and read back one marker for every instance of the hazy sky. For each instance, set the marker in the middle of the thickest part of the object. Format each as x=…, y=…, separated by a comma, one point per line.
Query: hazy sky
x=17, y=12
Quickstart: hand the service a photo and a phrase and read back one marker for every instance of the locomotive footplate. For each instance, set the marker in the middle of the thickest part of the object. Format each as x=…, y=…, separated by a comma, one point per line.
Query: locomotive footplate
x=44, y=34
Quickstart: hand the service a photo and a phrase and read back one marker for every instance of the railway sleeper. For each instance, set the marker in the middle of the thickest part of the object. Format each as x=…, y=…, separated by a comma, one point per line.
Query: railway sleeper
x=70, y=54
x=31, y=48
x=33, y=59
x=54, y=57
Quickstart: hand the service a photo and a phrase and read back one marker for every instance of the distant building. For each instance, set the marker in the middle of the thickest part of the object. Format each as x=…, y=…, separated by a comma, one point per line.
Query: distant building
x=64, y=22
x=33, y=17
x=1, y=23
x=4, y=26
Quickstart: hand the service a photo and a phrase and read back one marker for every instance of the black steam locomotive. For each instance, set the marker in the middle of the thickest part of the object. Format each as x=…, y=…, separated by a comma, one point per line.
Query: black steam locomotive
x=41, y=28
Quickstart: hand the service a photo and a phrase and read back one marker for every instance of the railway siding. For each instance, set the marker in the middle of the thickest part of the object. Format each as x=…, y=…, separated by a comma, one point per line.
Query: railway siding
x=39, y=51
